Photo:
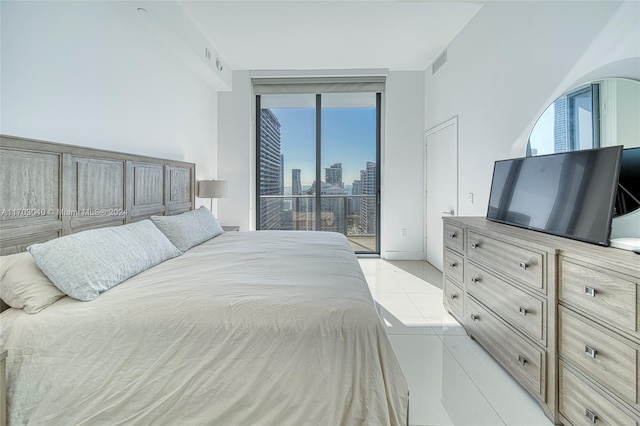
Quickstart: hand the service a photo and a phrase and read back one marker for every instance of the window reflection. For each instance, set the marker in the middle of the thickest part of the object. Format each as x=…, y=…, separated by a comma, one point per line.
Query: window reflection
x=599, y=114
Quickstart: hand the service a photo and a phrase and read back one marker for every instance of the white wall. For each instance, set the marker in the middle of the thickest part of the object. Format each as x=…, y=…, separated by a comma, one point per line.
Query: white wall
x=510, y=62
x=236, y=152
x=402, y=168
x=91, y=74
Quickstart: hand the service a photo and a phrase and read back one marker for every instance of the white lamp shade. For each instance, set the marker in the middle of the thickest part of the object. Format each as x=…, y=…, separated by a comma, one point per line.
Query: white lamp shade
x=212, y=188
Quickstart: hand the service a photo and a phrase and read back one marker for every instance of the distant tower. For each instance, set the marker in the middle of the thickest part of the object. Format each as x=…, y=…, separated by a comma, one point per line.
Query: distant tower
x=296, y=185
x=332, y=209
x=333, y=175
x=356, y=189
x=281, y=174
x=560, y=142
x=368, y=205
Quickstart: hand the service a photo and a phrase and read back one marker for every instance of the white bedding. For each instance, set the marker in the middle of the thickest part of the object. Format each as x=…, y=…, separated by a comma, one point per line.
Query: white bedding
x=249, y=328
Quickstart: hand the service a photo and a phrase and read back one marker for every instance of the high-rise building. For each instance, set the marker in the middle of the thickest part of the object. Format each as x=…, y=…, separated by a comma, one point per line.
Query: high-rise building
x=333, y=214
x=298, y=205
x=296, y=184
x=281, y=174
x=333, y=175
x=560, y=137
x=354, y=205
x=270, y=170
x=368, y=205
x=332, y=209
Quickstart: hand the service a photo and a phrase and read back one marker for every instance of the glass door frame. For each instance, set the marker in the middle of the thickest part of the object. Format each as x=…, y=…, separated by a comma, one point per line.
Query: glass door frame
x=573, y=131
x=318, y=165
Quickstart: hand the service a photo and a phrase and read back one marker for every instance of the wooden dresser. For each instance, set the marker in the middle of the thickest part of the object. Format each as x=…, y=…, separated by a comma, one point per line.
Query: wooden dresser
x=561, y=316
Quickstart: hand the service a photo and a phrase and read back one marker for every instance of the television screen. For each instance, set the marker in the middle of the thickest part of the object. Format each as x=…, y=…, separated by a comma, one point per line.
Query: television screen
x=570, y=194
x=628, y=197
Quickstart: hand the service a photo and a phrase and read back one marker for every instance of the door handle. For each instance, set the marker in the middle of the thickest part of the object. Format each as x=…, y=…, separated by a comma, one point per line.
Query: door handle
x=450, y=212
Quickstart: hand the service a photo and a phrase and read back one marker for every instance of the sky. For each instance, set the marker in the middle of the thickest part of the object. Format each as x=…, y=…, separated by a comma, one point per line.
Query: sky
x=542, y=135
x=348, y=137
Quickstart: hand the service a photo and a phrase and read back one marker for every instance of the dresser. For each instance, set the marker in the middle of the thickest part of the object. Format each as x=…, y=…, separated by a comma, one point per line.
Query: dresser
x=561, y=316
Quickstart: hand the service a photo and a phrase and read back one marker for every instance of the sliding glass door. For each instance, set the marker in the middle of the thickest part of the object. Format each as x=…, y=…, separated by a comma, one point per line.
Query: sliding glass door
x=318, y=157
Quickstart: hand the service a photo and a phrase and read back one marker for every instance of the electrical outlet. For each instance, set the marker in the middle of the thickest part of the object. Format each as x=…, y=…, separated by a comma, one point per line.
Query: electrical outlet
x=404, y=232
x=470, y=197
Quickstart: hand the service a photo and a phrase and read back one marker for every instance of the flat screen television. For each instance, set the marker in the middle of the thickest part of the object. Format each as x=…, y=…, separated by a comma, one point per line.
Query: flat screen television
x=570, y=194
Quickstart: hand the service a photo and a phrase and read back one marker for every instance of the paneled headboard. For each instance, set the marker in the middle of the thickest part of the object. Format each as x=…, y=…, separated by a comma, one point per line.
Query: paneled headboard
x=48, y=190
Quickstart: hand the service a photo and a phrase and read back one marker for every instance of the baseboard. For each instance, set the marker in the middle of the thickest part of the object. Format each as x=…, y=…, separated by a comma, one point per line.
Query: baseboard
x=403, y=255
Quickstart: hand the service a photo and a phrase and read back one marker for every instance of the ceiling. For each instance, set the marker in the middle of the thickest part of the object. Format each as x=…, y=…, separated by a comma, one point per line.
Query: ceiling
x=314, y=35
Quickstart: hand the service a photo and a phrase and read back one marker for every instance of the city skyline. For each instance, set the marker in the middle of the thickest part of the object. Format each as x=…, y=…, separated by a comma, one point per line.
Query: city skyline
x=348, y=138
x=354, y=214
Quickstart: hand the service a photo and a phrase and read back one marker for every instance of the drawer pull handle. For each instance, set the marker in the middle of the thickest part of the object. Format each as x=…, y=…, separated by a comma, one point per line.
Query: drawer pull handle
x=522, y=360
x=452, y=235
x=454, y=296
x=475, y=245
x=593, y=417
x=452, y=264
x=524, y=265
x=474, y=317
x=475, y=280
x=590, y=291
x=523, y=311
x=593, y=353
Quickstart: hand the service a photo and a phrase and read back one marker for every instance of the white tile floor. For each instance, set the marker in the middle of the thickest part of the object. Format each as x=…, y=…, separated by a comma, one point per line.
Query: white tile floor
x=452, y=380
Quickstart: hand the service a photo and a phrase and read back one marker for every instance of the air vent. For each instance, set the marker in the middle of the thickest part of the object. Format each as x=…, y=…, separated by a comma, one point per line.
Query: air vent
x=439, y=62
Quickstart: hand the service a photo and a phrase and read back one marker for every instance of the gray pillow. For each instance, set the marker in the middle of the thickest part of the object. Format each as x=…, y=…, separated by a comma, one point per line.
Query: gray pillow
x=24, y=286
x=190, y=228
x=85, y=264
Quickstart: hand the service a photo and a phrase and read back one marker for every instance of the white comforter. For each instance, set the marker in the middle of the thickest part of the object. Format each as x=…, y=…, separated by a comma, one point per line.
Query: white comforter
x=249, y=328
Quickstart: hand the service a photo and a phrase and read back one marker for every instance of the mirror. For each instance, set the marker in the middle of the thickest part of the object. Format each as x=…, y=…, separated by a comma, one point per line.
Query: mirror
x=597, y=114
x=601, y=113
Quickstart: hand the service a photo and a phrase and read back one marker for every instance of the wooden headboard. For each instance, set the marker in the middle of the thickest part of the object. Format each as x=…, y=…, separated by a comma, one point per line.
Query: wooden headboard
x=48, y=190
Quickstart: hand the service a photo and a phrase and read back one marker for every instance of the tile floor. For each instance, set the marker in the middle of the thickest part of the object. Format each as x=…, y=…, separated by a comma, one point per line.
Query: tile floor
x=452, y=380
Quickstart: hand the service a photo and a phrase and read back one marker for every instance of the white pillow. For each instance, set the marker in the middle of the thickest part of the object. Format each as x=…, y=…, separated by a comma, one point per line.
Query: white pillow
x=24, y=286
x=189, y=228
x=85, y=264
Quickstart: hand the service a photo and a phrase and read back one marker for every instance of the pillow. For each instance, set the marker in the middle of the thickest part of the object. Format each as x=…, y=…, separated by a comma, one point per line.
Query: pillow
x=24, y=286
x=85, y=264
x=189, y=228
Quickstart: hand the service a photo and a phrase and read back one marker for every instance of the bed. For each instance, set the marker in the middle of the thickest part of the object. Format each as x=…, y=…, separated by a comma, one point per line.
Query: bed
x=247, y=328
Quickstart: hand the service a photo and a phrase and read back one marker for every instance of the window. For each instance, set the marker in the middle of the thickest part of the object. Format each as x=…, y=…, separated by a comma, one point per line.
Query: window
x=317, y=168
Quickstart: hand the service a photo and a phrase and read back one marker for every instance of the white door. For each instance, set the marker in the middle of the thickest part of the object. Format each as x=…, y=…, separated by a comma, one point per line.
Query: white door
x=441, y=186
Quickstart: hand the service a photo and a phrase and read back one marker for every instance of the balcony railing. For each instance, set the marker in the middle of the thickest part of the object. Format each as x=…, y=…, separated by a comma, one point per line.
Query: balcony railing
x=355, y=216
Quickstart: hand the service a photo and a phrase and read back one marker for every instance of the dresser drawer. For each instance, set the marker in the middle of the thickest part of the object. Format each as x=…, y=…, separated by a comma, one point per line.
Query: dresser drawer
x=454, y=237
x=582, y=405
x=608, y=360
x=600, y=293
x=454, y=299
x=522, y=359
x=514, y=305
x=454, y=266
x=518, y=262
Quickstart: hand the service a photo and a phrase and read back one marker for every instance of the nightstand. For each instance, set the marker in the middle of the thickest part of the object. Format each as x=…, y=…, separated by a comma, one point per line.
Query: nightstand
x=230, y=228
